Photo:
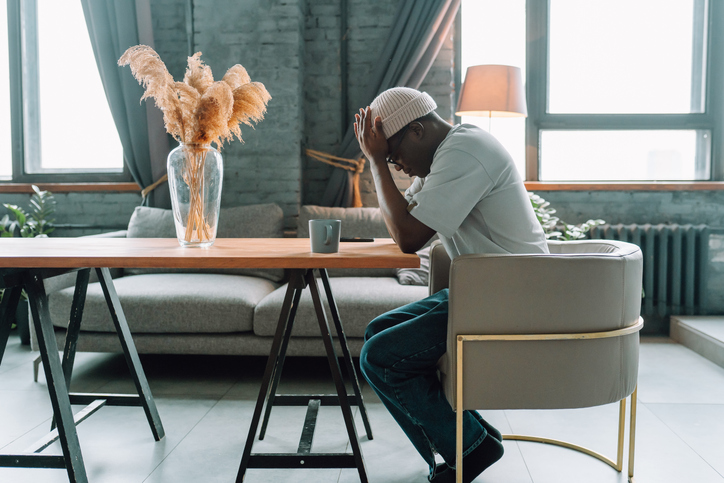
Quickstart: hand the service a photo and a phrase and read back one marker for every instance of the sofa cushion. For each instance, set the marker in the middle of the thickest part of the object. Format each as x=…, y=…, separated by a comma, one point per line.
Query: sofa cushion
x=359, y=300
x=362, y=222
x=252, y=221
x=416, y=276
x=170, y=303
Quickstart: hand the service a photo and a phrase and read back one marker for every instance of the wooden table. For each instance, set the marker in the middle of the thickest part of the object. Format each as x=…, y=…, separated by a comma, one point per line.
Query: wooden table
x=26, y=262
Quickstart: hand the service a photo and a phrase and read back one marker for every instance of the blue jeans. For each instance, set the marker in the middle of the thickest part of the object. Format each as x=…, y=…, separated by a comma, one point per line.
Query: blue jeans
x=399, y=360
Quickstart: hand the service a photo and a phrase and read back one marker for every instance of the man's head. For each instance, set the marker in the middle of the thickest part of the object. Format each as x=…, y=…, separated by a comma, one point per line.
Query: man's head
x=412, y=128
x=399, y=106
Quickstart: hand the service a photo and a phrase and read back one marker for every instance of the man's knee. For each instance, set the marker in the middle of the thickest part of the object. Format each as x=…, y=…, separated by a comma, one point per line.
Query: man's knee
x=366, y=364
x=372, y=355
x=377, y=325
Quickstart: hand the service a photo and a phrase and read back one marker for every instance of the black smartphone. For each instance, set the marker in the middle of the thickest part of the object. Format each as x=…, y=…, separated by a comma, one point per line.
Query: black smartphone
x=356, y=239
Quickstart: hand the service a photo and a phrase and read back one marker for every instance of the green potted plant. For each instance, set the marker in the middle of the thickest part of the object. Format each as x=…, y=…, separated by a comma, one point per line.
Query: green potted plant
x=554, y=227
x=37, y=222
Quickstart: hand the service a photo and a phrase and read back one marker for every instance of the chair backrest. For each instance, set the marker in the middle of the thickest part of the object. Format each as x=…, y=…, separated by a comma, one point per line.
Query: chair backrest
x=581, y=287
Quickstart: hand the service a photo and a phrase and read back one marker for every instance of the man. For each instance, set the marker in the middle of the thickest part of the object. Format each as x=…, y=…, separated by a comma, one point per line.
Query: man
x=468, y=191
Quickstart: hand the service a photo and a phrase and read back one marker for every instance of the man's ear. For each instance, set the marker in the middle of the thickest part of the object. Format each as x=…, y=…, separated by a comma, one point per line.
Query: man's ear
x=418, y=129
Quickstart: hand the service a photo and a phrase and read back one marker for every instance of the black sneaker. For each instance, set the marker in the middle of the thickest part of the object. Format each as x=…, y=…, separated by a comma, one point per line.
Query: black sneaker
x=488, y=427
x=477, y=461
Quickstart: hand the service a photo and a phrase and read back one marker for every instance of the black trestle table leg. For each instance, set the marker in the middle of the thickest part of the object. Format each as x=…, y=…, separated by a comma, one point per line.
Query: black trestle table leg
x=337, y=376
x=280, y=363
x=129, y=350
x=73, y=332
x=54, y=376
x=296, y=281
x=8, y=308
x=345, y=351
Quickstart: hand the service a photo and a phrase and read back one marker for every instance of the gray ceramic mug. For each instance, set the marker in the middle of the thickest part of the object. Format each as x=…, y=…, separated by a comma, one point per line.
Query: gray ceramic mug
x=324, y=235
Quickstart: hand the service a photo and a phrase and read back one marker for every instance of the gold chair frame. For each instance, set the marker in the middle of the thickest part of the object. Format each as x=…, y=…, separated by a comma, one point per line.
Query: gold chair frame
x=617, y=465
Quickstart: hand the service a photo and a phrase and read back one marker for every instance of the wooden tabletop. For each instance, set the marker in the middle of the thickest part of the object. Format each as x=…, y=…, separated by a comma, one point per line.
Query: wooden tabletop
x=225, y=253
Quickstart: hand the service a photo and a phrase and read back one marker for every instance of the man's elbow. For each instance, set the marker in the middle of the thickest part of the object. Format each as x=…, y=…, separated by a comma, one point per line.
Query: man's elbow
x=413, y=238
x=409, y=246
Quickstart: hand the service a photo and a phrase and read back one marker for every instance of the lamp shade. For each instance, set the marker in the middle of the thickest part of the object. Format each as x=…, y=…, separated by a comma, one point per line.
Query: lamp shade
x=492, y=91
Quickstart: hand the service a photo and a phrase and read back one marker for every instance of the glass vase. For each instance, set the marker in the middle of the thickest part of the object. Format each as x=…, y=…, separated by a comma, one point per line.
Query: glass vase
x=195, y=174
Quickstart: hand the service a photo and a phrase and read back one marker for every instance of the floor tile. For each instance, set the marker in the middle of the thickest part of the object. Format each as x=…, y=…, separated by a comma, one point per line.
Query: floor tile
x=117, y=443
x=20, y=412
x=671, y=373
x=700, y=426
x=664, y=457
x=16, y=353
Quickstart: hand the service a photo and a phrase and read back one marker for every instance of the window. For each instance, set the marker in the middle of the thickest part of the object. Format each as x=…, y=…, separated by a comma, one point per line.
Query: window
x=63, y=129
x=617, y=90
x=493, y=32
x=6, y=170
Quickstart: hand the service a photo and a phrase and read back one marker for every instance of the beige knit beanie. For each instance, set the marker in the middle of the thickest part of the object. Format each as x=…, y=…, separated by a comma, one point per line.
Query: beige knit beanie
x=400, y=106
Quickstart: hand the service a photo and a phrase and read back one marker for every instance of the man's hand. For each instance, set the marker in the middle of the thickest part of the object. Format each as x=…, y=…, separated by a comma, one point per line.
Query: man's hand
x=409, y=233
x=369, y=135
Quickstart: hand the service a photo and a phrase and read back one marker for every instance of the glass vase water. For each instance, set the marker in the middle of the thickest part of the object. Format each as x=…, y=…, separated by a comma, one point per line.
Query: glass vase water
x=195, y=174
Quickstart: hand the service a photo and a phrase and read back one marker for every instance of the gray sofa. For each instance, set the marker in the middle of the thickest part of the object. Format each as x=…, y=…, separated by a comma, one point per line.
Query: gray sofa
x=231, y=312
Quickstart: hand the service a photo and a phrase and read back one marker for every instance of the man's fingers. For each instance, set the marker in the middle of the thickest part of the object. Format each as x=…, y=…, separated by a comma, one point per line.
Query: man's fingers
x=360, y=121
x=378, y=124
x=363, y=119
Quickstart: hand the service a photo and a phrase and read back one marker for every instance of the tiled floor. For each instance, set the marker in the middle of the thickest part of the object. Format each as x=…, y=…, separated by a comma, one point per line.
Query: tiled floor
x=206, y=404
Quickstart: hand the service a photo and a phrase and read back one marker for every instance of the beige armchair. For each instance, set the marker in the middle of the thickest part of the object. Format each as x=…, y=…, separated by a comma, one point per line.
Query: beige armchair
x=543, y=332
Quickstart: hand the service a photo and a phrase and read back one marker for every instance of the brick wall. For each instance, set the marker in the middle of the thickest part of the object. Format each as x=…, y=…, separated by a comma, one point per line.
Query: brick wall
x=169, y=34
x=266, y=37
x=323, y=128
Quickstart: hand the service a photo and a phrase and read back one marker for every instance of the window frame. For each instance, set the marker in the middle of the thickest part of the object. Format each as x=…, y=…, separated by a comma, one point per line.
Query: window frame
x=24, y=104
x=537, y=43
x=536, y=88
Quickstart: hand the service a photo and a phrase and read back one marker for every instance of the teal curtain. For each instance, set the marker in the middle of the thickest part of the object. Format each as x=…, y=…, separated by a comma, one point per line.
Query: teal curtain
x=114, y=26
x=418, y=32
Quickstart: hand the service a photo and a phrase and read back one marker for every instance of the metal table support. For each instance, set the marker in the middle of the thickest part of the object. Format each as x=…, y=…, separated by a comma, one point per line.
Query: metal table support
x=304, y=457
x=58, y=375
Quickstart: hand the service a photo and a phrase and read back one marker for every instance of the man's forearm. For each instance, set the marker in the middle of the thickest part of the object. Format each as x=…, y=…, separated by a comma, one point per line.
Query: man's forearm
x=409, y=233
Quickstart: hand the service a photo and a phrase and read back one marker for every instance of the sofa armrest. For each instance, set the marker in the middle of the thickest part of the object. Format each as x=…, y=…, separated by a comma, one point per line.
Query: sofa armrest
x=439, y=268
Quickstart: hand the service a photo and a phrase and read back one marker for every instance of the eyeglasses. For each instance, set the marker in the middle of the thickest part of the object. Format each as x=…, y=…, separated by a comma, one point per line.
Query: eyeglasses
x=397, y=147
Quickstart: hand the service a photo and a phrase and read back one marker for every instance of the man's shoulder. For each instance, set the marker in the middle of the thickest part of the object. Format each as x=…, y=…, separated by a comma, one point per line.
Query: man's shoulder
x=477, y=145
x=469, y=137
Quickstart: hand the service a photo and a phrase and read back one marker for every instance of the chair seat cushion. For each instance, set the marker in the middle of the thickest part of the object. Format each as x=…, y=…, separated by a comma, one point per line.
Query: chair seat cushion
x=170, y=303
x=359, y=299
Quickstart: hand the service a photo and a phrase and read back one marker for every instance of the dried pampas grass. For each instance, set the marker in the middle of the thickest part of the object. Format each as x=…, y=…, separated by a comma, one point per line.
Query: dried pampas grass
x=198, y=110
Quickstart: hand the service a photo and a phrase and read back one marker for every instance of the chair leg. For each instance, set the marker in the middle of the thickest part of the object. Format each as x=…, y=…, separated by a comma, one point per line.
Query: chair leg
x=459, y=414
x=36, y=367
x=618, y=464
x=632, y=436
x=621, y=430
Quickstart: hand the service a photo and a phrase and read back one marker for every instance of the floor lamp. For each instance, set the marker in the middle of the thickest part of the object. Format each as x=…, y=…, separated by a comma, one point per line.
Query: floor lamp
x=492, y=91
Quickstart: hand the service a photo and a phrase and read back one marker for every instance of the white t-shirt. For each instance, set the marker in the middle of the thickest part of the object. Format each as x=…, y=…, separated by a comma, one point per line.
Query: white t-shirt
x=474, y=198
